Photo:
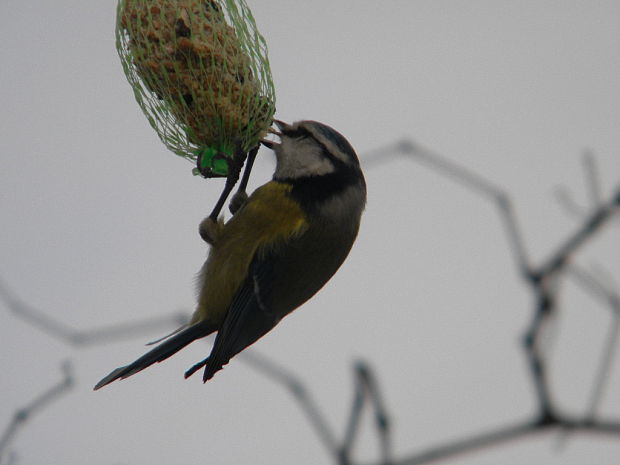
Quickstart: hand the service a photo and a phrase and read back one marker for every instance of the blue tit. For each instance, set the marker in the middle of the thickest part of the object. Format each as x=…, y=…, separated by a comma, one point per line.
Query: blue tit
x=279, y=248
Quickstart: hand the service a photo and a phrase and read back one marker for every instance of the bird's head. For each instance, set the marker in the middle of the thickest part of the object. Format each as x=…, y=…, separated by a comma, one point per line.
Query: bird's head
x=310, y=148
x=321, y=166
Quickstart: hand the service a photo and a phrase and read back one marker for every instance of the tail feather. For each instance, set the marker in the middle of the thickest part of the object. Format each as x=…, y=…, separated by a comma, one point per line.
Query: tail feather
x=163, y=338
x=159, y=353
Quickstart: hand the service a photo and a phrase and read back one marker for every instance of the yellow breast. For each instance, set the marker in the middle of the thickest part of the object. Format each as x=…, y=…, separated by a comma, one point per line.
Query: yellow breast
x=269, y=218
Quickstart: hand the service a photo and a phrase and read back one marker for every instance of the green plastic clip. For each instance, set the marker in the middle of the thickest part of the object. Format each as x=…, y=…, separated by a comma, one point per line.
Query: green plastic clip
x=212, y=163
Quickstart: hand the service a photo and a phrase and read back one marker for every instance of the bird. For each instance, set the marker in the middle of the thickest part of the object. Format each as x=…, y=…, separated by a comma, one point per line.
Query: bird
x=279, y=248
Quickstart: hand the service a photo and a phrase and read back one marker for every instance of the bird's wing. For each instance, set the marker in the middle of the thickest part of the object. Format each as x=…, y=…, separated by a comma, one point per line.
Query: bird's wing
x=279, y=279
x=248, y=318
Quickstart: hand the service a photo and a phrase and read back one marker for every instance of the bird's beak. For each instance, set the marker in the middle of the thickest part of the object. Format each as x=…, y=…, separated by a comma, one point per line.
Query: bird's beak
x=281, y=124
x=273, y=131
x=269, y=143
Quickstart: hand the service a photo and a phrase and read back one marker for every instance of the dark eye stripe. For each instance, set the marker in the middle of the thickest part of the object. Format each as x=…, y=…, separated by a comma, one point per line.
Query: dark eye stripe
x=338, y=140
x=297, y=133
x=325, y=136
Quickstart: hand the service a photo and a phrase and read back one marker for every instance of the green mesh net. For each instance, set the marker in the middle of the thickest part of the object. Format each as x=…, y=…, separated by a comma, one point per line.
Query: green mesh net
x=200, y=72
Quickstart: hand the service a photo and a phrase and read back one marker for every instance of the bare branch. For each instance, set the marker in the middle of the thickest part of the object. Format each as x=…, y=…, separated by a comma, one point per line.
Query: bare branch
x=567, y=203
x=543, y=285
x=467, y=178
x=382, y=419
x=366, y=388
x=354, y=419
x=545, y=304
x=23, y=414
x=299, y=392
x=593, y=186
x=498, y=436
x=612, y=299
x=571, y=245
x=390, y=152
x=88, y=337
x=542, y=281
x=592, y=178
x=495, y=436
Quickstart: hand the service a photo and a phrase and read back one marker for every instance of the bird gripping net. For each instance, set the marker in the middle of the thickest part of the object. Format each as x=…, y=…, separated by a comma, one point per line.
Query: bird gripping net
x=200, y=72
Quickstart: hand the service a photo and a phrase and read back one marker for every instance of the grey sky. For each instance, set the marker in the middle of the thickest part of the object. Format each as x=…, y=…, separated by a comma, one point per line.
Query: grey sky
x=100, y=227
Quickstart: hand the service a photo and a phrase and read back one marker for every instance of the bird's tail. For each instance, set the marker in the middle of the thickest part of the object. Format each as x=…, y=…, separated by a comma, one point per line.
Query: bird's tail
x=164, y=350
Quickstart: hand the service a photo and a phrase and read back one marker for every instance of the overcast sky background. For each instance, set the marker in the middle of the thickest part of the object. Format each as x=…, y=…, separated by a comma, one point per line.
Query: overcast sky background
x=99, y=227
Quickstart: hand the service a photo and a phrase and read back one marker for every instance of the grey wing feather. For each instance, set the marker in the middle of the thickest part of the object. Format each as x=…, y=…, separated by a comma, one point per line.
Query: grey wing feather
x=248, y=319
x=278, y=281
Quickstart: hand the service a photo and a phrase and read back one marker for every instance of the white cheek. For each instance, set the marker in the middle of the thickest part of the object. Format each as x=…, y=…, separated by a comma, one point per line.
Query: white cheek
x=301, y=159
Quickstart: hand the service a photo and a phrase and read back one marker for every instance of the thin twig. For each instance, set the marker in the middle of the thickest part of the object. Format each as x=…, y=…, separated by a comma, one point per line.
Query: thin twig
x=542, y=281
x=366, y=388
x=494, y=437
x=565, y=199
x=299, y=392
x=498, y=436
x=545, y=303
x=467, y=178
x=87, y=337
x=382, y=419
x=592, y=179
x=593, y=186
x=354, y=420
x=389, y=152
x=24, y=414
x=612, y=299
x=571, y=245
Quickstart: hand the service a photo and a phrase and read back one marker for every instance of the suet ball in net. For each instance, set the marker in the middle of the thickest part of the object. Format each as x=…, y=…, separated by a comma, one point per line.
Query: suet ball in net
x=200, y=72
